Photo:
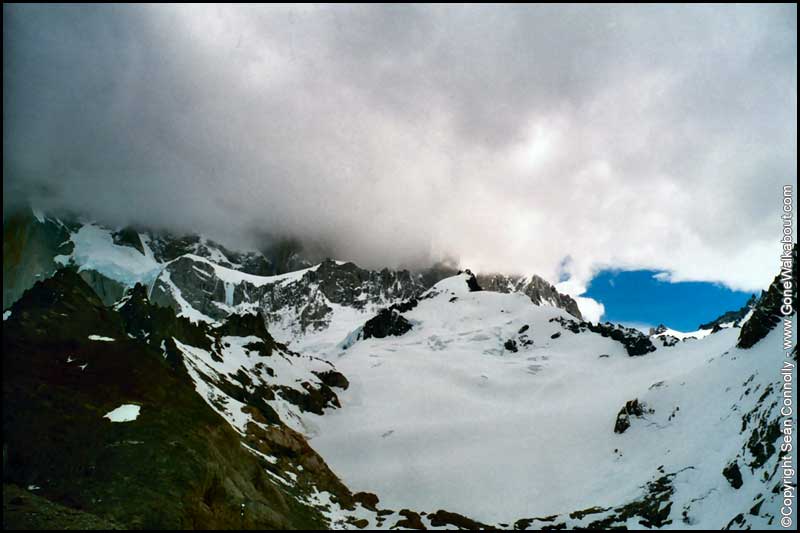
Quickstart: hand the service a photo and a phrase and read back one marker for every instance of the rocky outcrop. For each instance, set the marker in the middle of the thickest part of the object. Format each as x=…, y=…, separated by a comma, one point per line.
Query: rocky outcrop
x=660, y=333
x=651, y=510
x=387, y=322
x=632, y=408
x=511, y=346
x=733, y=475
x=472, y=282
x=731, y=317
x=635, y=342
x=332, y=378
x=522, y=340
x=450, y=520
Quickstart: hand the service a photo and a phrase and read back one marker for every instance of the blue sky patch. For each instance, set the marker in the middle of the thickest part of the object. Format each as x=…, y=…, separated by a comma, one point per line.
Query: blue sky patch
x=638, y=298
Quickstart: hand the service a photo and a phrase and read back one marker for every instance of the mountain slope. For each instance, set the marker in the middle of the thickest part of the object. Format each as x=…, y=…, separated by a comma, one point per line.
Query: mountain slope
x=447, y=415
x=496, y=407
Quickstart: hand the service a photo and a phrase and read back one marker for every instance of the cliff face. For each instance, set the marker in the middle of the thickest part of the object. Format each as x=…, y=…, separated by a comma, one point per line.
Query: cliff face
x=30, y=245
x=537, y=289
x=767, y=310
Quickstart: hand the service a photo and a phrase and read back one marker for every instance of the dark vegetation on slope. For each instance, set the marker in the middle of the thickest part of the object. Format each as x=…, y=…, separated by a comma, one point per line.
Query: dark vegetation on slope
x=23, y=509
x=178, y=465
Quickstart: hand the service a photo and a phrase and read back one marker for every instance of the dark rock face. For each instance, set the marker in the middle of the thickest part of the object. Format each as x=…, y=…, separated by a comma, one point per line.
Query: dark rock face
x=197, y=284
x=632, y=408
x=155, y=324
x=411, y=520
x=405, y=306
x=347, y=284
x=367, y=499
x=444, y=518
x=511, y=346
x=167, y=247
x=332, y=378
x=733, y=475
x=767, y=312
x=387, y=322
x=472, y=282
x=344, y=284
x=536, y=288
x=635, y=342
x=245, y=325
x=312, y=400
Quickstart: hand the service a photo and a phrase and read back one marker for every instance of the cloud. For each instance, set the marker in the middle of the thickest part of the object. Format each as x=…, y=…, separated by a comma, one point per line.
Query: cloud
x=591, y=309
x=508, y=137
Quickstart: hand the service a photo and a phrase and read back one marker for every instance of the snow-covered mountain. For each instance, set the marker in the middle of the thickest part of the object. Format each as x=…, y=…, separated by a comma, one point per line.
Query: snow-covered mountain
x=274, y=396
x=206, y=281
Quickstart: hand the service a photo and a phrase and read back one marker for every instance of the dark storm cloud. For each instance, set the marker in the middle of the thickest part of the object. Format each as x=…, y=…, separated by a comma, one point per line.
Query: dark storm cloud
x=510, y=137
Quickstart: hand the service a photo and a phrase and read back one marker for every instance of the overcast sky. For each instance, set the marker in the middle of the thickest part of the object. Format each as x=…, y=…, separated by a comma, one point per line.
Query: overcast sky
x=549, y=139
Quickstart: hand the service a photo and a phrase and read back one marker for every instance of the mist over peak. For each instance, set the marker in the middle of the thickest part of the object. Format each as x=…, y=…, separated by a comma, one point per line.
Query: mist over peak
x=509, y=138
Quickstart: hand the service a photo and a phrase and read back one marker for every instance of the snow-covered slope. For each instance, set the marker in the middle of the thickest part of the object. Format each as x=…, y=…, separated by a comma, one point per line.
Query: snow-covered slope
x=448, y=416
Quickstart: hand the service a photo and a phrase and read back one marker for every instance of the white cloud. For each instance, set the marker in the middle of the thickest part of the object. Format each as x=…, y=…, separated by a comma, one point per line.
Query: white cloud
x=509, y=137
x=591, y=309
